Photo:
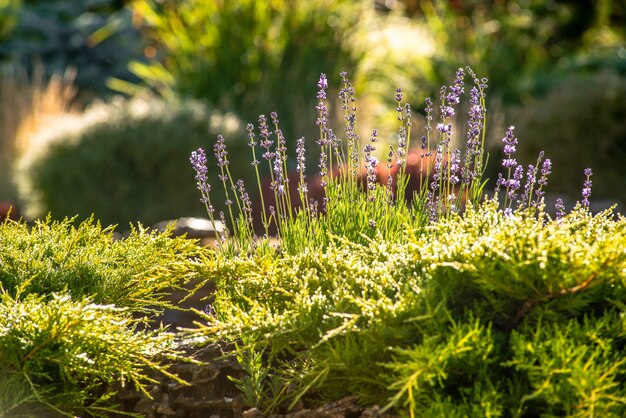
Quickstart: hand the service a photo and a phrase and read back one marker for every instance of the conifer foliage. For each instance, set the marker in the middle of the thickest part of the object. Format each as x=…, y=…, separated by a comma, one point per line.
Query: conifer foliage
x=463, y=304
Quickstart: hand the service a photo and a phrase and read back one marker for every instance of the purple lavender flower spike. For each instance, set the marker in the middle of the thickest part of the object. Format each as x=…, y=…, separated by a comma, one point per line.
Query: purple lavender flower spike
x=300, y=159
x=444, y=128
x=560, y=208
x=511, y=184
x=437, y=167
x=457, y=88
x=251, y=136
x=399, y=104
x=401, y=150
x=475, y=122
x=515, y=183
x=220, y=152
x=455, y=167
x=546, y=170
x=398, y=94
x=510, y=141
x=587, y=187
x=245, y=198
x=313, y=207
x=500, y=182
x=279, y=181
x=429, y=112
x=531, y=178
x=372, y=164
x=199, y=162
x=322, y=84
x=407, y=113
x=265, y=142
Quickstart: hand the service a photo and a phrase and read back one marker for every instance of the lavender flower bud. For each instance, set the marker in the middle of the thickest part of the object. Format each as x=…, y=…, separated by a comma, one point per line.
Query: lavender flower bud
x=251, y=136
x=515, y=183
x=322, y=84
x=398, y=95
x=300, y=159
x=546, y=169
x=560, y=208
x=587, y=187
x=265, y=134
x=220, y=152
x=509, y=163
x=510, y=141
x=199, y=163
x=444, y=128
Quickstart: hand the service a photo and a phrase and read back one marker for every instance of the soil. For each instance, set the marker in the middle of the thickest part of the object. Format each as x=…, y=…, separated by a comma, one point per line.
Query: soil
x=210, y=394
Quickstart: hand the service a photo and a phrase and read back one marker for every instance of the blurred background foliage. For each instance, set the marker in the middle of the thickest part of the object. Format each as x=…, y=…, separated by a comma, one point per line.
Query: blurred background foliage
x=248, y=56
x=579, y=123
x=96, y=37
x=125, y=160
x=547, y=61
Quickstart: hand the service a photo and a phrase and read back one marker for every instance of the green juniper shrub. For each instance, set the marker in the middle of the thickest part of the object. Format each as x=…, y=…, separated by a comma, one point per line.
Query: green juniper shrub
x=74, y=305
x=514, y=273
x=63, y=353
x=123, y=162
x=16, y=396
x=86, y=260
x=462, y=304
x=435, y=316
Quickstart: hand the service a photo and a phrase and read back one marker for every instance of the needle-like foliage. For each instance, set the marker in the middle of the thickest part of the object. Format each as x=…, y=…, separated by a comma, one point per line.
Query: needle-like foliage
x=74, y=305
x=459, y=305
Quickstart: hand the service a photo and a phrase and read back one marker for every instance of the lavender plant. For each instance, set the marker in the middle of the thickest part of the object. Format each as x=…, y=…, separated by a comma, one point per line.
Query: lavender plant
x=427, y=309
x=348, y=179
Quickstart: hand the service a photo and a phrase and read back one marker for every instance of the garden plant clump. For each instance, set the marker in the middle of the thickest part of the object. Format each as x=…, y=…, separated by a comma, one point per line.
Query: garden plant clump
x=448, y=302
x=460, y=303
x=74, y=308
x=135, y=153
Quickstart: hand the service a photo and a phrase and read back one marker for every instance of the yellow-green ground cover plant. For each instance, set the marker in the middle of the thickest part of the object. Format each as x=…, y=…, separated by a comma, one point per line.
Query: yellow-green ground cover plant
x=453, y=302
x=462, y=303
x=75, y=305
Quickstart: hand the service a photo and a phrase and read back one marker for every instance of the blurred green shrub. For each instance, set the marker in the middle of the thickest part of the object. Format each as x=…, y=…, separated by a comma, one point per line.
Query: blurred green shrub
x=579, y=123
x=8, y=18
x=125, y=161
x=522, y=46
x=249, y=56
x=96, y=37
x=26, y=104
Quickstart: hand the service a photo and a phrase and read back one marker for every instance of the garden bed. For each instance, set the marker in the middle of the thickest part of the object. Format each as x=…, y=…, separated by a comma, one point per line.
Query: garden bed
x=211, y=393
